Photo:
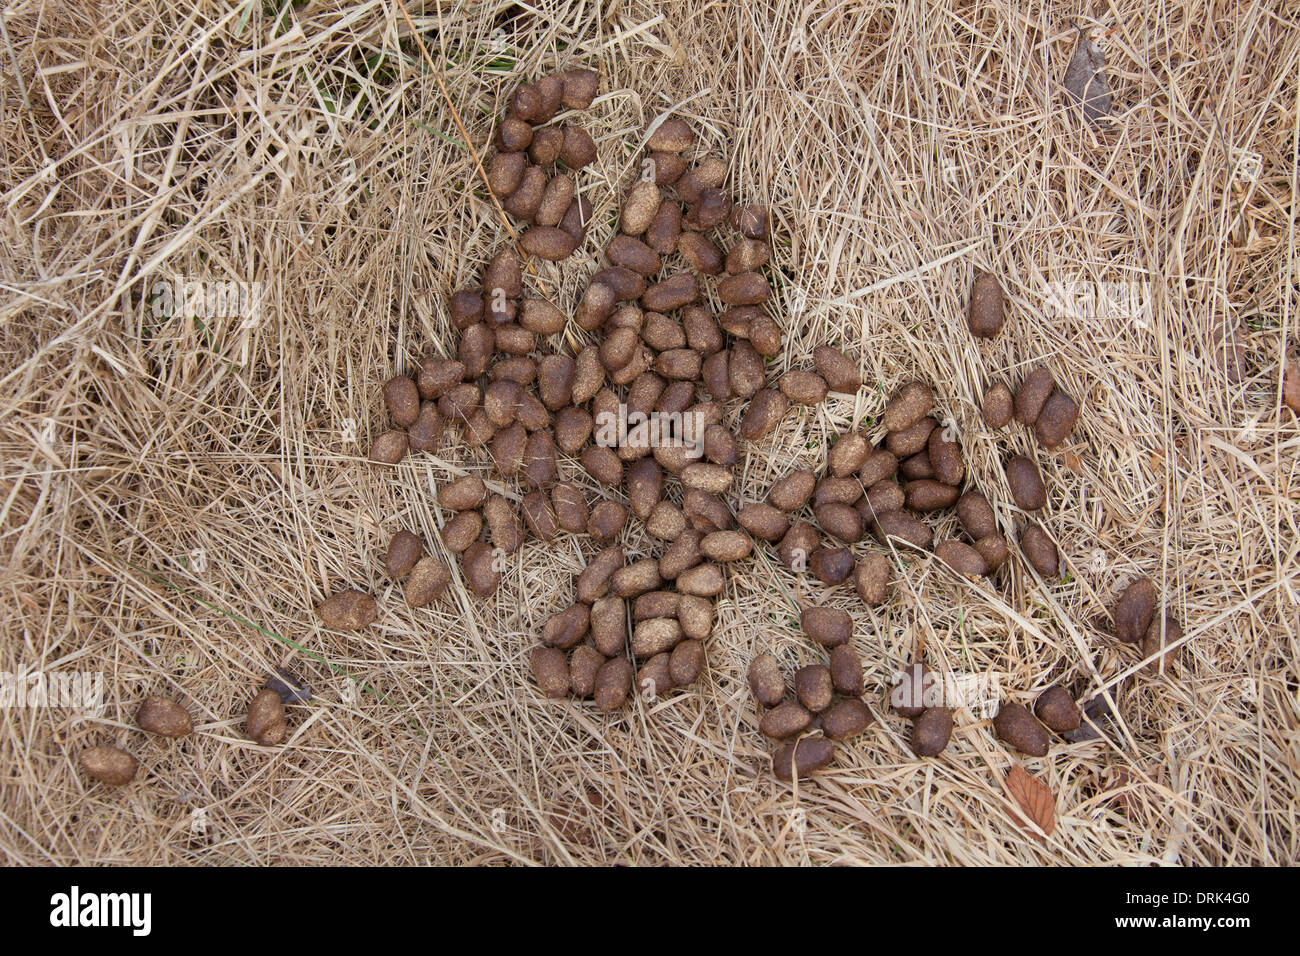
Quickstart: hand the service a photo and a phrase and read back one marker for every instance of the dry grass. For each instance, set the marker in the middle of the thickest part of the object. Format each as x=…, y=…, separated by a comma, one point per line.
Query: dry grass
x=899, y=146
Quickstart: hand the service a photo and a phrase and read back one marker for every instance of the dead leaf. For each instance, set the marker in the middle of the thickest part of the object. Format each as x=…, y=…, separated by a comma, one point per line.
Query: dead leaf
x=1096, y=709
x=1085, y=78
x=291, y=688
x=1072, y=462
x=1229, y=346
x=1291, y=384
x=1035, y=798
x=573, y=832
x=1119, y=785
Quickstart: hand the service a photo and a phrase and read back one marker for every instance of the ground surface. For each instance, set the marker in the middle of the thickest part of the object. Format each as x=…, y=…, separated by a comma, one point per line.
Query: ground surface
x=177, y=496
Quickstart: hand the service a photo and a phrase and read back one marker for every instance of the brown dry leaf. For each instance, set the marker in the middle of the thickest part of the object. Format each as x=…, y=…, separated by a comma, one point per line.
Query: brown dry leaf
x=1085, y=78
x=291, y=688
x=1035, y=799
x=1291, y=384
x=1229, y=344
x=1072, y=462
x=573, y=832
x=1119, y=784
x=1096, y=709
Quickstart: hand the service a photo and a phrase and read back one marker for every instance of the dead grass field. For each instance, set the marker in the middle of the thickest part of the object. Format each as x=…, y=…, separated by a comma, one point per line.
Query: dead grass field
x=899, y=146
